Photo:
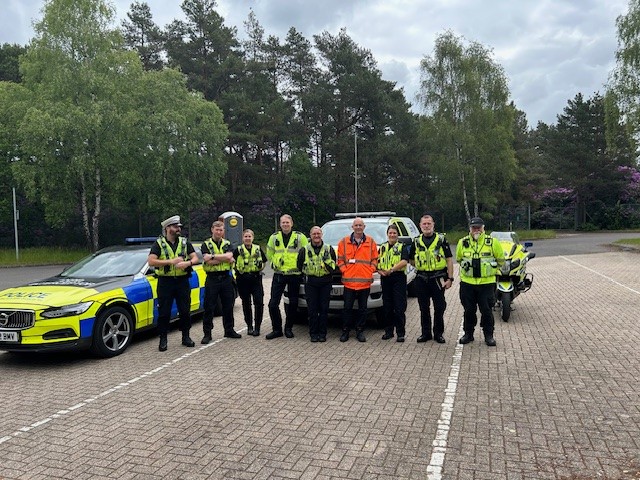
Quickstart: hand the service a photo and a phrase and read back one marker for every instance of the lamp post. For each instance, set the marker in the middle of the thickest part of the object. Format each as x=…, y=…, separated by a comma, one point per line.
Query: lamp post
x=15, y=223
x=355, y=172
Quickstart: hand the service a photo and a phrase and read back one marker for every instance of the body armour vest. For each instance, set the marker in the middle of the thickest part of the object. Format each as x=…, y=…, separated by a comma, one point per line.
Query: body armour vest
x=431, y=258
x=225, y=246
x=167, y=253
x=320, y=264
x=390, y=255
x=249, y=261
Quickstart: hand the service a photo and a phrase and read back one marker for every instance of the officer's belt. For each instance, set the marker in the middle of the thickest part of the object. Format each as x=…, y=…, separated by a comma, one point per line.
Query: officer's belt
x=224, y=273
x=432, y=274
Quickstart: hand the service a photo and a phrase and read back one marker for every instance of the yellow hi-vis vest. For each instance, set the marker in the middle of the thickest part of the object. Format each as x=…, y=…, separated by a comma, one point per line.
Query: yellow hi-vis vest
x=479, y=260
x=249, y=261
x=225, y=246
x=318, y=265
x=390, y=255
x=167, y=253
x=431, y=258
x=284, y=258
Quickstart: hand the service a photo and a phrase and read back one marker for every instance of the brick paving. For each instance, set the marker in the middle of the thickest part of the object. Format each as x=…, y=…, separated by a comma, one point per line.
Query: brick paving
x=559, y=397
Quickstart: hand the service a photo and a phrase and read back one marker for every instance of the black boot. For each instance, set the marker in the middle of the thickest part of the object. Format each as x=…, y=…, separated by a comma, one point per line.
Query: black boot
x=249, y=328
x=256, y=331
x=163, y=343
x=206, y=338
x=186, y=340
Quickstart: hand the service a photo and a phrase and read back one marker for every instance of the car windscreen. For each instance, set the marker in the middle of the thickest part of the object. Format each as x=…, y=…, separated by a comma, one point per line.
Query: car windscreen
x=332, y=233
x=116, y=263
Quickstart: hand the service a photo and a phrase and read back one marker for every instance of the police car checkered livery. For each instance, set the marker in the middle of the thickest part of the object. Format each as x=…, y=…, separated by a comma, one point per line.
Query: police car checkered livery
x=97, y=303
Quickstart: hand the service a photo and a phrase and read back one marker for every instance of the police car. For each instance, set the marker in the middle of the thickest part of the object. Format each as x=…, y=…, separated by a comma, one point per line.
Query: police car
x=97, y=303
x=376, y=224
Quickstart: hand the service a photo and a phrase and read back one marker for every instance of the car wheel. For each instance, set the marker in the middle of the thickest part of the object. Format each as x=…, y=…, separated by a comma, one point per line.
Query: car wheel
x=112, y=332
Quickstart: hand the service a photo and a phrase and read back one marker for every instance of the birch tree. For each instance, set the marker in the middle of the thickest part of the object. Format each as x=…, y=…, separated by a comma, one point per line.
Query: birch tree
x=465, y=94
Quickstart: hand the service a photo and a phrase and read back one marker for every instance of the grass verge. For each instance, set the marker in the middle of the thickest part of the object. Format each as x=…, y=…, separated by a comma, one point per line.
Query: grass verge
x=40, y=256
x=453, y=237
x=629, y=241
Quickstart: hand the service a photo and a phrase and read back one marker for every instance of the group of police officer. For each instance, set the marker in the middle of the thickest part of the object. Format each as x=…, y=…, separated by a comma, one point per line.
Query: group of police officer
x=480, y=258
x=295, y=259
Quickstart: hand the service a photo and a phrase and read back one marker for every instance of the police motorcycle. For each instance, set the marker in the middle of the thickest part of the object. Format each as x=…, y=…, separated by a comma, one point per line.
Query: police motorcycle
x=512, y=278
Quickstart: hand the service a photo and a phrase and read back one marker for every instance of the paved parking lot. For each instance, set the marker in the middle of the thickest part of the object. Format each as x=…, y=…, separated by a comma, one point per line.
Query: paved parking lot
x=557, y=399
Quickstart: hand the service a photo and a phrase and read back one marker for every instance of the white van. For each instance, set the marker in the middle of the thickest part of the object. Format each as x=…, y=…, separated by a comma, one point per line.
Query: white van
x=376, y=224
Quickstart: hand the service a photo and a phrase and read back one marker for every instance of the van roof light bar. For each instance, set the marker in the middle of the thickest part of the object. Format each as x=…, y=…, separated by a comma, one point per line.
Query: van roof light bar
x=364, y=214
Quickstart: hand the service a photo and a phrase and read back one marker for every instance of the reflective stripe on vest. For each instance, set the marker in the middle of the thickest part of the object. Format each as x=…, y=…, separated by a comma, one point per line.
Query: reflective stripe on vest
x=167, y=253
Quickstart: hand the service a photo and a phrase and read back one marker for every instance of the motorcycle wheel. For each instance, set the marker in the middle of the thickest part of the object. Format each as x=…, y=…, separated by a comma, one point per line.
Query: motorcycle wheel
x=505, y=300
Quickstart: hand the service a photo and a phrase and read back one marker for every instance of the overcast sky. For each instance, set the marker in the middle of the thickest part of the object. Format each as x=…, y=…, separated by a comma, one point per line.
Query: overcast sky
x=550, y=50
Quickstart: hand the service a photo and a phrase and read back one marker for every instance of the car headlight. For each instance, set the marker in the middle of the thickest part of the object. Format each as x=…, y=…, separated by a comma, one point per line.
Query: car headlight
x=67, y=310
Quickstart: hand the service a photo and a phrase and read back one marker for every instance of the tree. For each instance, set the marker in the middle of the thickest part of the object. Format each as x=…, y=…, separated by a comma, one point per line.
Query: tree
x=144, y=36
x=9, y=67
x=624, y=81
x=532, y=174
x=348, y=101
x=259, y=121
x=204, y=49
x=580, y=161
x=174, y=158
x=95, y=125
x=465, y=92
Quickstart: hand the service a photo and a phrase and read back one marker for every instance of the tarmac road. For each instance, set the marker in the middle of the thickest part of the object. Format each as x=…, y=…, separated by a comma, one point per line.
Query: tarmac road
x=557, y=399
x=580, y=243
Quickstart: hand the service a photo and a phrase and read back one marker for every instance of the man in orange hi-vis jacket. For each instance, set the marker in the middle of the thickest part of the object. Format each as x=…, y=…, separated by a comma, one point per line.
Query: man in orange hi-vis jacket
x=357, y=260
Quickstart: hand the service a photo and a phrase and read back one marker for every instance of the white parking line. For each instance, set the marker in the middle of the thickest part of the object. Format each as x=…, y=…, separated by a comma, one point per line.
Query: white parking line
x=600, y=274
x=78, y=406
x=439, y=450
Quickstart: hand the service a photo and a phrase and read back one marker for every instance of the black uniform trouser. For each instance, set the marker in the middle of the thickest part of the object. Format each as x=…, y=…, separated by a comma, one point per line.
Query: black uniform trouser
x=218, y=285
x=477, y=297
x=250, y=287
x=169, y=289
x=279, y=283
x=350, y=297
x=428, y=289
x=394, y=299
x=318, y=296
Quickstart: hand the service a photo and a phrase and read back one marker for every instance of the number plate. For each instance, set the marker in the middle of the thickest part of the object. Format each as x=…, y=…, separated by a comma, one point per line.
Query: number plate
x=9, y=337
x=337, y=291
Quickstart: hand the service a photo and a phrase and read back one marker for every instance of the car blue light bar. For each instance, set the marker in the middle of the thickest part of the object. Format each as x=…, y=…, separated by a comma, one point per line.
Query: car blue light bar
x=139, y=240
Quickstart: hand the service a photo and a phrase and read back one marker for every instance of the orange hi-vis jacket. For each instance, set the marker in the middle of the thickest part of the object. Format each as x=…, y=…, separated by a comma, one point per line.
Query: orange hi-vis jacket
x=357, y=262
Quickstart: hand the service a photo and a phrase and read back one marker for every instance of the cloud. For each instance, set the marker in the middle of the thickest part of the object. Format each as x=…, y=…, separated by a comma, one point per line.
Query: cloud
x=550, y=49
